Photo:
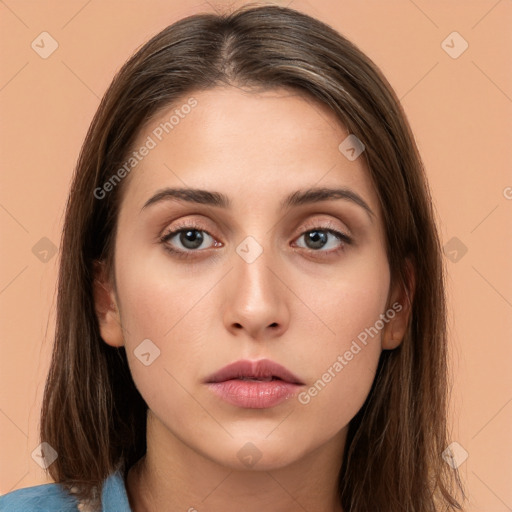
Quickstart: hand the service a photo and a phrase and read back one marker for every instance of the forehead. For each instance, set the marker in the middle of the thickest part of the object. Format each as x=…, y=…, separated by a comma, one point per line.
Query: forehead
x=244, y=143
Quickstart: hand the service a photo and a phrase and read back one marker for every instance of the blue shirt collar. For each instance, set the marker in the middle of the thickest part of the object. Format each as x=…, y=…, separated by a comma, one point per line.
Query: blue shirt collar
x=114, y=496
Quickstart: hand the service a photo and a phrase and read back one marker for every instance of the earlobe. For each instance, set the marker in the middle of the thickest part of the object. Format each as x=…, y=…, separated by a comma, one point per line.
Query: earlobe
x=106, y=309
x=400, y=310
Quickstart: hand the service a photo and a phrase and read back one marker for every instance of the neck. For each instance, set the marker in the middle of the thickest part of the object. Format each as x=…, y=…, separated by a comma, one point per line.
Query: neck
x=174, y=476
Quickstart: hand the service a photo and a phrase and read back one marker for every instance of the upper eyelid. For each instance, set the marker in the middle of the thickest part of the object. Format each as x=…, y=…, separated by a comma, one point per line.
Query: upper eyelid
x=325, y=224
x=311, y=225
x=177, y=229
x=307, y=224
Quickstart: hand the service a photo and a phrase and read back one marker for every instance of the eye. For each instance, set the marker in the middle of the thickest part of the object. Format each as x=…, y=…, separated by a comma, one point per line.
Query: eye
x=188, y=239
x=324, y=240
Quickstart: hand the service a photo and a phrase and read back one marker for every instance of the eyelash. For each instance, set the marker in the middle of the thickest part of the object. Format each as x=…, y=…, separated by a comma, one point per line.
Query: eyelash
x=342, y=237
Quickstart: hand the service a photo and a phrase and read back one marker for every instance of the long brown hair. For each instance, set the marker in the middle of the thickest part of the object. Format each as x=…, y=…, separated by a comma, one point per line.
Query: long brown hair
x=92, y=413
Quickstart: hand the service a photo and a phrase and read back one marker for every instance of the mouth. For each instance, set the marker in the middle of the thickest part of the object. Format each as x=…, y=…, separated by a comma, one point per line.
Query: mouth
x=263, y=370
x=255, y=379
x=254, y=384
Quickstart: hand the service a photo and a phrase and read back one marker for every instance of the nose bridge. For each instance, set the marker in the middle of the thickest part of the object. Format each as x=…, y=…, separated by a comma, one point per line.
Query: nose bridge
x=257, y=301
x=254, y=279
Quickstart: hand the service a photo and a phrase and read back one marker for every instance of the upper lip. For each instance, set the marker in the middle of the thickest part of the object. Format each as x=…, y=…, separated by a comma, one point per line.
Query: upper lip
x=263, y=369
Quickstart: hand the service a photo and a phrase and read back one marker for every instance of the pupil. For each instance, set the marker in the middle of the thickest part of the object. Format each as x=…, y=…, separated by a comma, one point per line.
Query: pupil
x=191, y=239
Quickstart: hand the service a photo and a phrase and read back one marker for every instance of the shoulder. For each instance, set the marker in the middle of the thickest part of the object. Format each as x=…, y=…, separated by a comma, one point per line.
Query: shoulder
x=43, y=498
x=54, y=498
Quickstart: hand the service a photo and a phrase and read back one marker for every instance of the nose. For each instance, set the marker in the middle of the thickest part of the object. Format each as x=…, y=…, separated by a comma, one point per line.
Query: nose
x=256, y=301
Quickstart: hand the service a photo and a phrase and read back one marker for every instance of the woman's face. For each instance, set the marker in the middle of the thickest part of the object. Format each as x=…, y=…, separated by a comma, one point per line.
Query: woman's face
x=260, y=278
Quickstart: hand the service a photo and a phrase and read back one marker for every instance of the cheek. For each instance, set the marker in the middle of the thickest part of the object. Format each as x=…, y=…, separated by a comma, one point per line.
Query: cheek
x=154, y=311
x=344, y=307
x=172, y=311
x=157, y=302
x=340, y=366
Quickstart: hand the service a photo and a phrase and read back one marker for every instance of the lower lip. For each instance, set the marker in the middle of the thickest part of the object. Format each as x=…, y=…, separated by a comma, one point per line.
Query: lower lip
x=254, y=394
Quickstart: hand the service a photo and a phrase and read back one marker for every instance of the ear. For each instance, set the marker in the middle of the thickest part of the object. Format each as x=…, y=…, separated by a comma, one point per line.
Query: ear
x=400, y=302
x=105, y=305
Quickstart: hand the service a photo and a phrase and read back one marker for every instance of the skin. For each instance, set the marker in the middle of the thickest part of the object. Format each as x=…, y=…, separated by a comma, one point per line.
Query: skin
x=214, y=308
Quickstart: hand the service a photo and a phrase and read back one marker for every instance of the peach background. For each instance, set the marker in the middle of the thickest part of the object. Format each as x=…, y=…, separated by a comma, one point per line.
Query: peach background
x=460, y=111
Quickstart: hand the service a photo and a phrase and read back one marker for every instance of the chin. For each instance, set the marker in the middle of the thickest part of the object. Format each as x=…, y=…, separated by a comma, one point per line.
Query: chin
x=260, y=454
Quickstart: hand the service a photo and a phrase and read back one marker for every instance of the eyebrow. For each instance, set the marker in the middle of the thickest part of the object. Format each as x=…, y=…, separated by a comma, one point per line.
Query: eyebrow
x=220, y=200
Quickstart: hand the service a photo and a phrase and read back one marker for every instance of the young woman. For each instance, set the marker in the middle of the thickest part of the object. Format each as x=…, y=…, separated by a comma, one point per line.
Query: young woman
x=251, y=311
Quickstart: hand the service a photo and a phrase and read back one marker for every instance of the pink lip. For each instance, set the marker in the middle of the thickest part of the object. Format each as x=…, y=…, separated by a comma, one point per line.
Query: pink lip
x=228, y=383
